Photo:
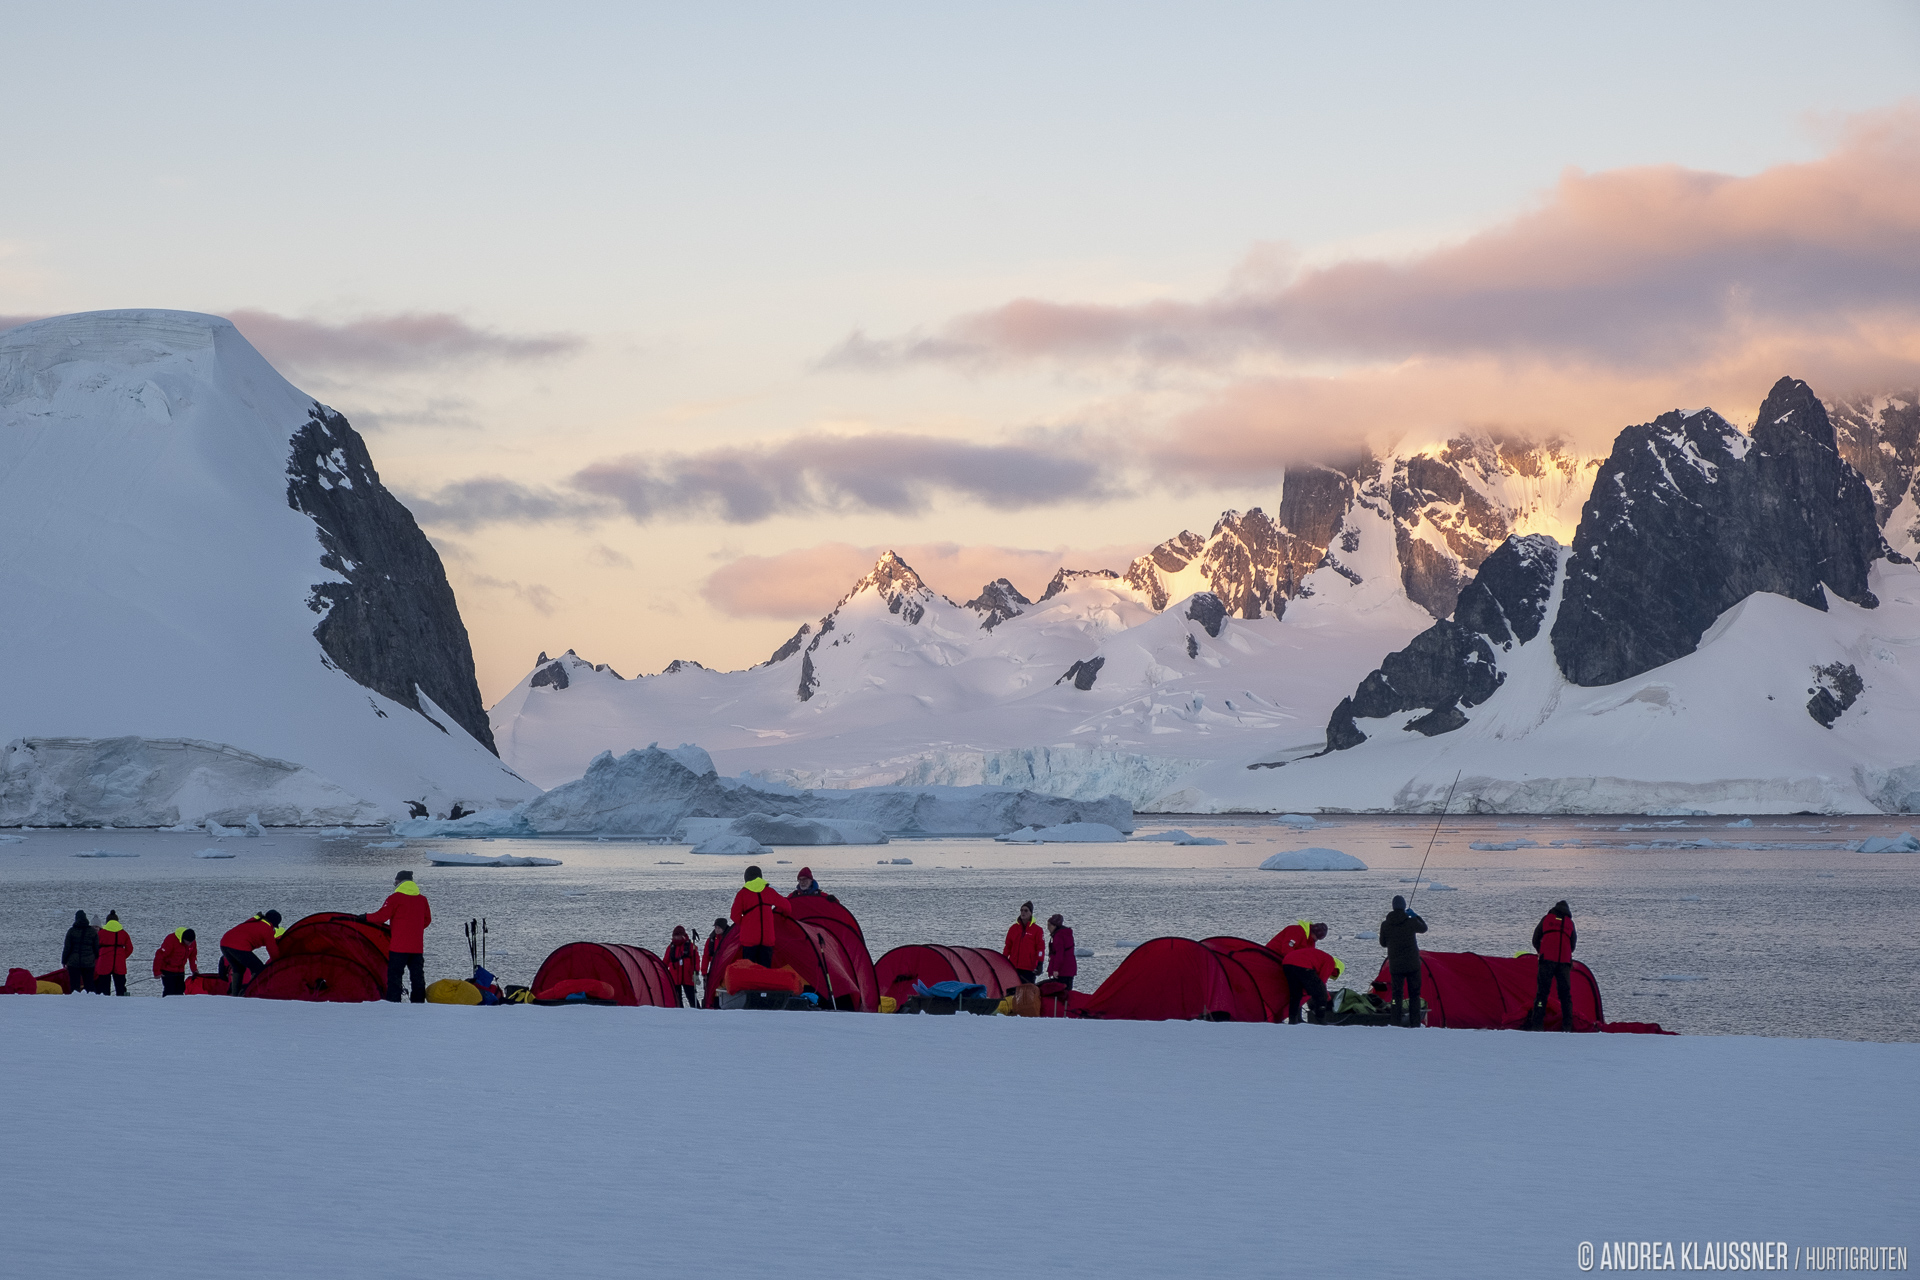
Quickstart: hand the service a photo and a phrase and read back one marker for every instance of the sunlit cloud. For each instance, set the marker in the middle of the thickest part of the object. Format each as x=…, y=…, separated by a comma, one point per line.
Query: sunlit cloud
x=405, y=340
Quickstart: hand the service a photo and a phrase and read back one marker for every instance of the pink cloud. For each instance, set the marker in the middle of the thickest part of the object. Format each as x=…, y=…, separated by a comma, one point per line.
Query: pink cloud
x=806, y=582
x=403, y=340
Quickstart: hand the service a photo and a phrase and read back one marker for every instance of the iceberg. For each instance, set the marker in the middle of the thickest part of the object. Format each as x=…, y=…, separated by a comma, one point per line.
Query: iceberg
x=1313, y=860
x=1902, y=843
x=1502, y=846
x=1065, y=833
x=655, y=792
x=213, y=853
x=481, y=860
x=728, y=842
x=104, y=853
x=1177, y=836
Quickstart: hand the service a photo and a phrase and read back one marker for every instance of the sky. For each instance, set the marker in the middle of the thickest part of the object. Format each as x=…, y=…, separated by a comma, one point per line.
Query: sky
x=667, y=320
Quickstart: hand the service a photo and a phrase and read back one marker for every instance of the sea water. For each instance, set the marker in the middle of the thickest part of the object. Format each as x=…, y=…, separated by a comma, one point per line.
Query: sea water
x=1798, y=938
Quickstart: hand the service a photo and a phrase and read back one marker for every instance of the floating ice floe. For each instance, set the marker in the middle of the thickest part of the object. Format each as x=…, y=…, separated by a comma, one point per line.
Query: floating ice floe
x=1902, y=843
x=336, y=833
x=1434, y=886
x=1502, y=846
x=1744, y=822
x=213, y=853
x=730, y=843
x=12, y=839
x=896, y=862
x=1313, y=860
x=253, y=827
x=481, y=860
x=180, y=829
x=1083, y=951
x=104, y=853
x=219, y=832
x=1179, y=837
x=1065, y=833
x=1304, y=822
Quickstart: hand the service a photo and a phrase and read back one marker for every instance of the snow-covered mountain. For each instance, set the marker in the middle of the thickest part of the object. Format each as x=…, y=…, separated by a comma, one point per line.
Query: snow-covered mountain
x=1729, y=632
x=213, y=606
x=1203, y=677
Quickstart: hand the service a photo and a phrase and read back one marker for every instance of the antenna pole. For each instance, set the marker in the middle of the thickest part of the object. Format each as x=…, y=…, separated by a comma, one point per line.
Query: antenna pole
x=1430, y=839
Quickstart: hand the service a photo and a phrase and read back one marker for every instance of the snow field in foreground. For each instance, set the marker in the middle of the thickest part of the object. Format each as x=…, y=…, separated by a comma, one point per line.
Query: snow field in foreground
x=446, y=1141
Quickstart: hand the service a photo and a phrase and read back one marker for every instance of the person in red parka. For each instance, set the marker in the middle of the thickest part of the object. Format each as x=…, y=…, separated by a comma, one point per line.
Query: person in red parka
x=178, y=950
x=710, y=950
x=407, y=914
x=754, y=906
x=1554, y=938
x=116, y=944
x=1308, y=970
x=1026, y=945
x=238, y=944
x=683, y=966
x=1294, y=936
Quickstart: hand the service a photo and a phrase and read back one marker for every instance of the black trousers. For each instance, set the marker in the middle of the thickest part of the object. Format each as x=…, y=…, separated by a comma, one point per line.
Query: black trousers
x=117, y=981
x=412, y=963
x=683, y=996
x=1410, y=982
x=173, y=984
x=1305, y=983
x=762, y=956
x=1560, y=974
x=1025, y=975
x=79, y=978
x=241, y=966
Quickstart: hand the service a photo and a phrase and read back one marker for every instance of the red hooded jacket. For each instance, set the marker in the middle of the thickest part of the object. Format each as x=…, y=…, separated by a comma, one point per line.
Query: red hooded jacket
x=406, y=910
x=683, y=961
x=1311, y=957
x=174, y=955
x=115, y=947
x=1554, y=936
x=251, y=935
x=1293, y=936
x=1026, y=945
x=753, y=911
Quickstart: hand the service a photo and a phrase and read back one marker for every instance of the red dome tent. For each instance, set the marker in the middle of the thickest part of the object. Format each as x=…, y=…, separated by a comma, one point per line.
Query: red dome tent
x=1264, y=967
x=815, y=951
x=1463, y=989
x=329, y=956
x=1175, y=978
x=901, y=967
x=827, y=913
x=635, y=974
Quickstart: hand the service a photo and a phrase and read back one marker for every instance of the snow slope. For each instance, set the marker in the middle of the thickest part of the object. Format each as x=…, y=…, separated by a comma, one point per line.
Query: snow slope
x=157, y=582
x=445, y=1141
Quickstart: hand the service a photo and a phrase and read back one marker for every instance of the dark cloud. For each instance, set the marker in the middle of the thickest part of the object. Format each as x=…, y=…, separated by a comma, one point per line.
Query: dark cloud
x=405, y=340
x=484, y=500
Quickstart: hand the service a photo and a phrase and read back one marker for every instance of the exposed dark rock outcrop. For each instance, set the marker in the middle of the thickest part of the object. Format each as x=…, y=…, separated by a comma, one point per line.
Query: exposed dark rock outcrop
x=998, y=601
x=553, y=675
x=808, y=681
x=1880, y=438
x=680, y=664
x=1836, y=686
x=1455, y=663
x=1206, y=609
x=792, y=646
x=1690, y=516
x=1068, y=578
x=1082, y=673
x=393, y=625
x=1193, y=646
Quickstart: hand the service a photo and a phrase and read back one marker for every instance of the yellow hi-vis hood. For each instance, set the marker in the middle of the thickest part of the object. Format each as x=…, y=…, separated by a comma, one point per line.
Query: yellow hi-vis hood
x=111, y=926
x=755, y=886
x=407, y=887
x=180, y=934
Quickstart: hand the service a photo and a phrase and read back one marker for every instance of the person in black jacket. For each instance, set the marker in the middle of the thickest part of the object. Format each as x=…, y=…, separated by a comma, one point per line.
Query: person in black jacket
x=1398, y=933
x=1554, y=939
x=78, y=954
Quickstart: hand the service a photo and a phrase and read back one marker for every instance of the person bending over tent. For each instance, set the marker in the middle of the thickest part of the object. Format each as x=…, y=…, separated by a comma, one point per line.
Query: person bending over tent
x=805, y=886
x=178, y=950
x=407, y=914
x=113, y=945
x=1398, y=934
x=238, y=944
x=1554, y=938
x=712, y=949
x=1293, y=937
x=754, y=906
x=1025, y=944
x=79, y=952
x=1308, y=970
x=683, y=965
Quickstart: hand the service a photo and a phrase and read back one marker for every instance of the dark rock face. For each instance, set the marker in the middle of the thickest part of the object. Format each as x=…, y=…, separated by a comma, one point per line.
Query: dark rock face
x=1066, y=578
x=553, y=675
x=1836, y=686
x=1206, y=609
x=1253, y=562
x=998, y=601
x=678, y=665
x=1454, y=663
x=393, y=624
x=808, y=681
x=1881, y=440
x=1690, y=516
x=1193, y=646
x=792, y=646
x=1083, y=672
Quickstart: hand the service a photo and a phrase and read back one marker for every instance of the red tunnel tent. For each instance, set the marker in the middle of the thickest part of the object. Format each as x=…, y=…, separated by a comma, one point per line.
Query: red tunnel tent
x=827, y=913
x=1463, y=989
x=637, y=976
x=901, y=967
x=1264, y=967
x=329, y=956
x=1176, y=978
x=816, y=952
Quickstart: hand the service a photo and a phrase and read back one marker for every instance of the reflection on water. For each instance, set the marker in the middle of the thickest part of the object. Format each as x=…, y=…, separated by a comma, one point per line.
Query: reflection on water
x=1798, y=938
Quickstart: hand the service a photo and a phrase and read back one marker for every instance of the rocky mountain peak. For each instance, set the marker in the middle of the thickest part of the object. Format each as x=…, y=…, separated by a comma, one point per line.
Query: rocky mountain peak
x=1066, y=579
x=894, y=581
x=998, y=601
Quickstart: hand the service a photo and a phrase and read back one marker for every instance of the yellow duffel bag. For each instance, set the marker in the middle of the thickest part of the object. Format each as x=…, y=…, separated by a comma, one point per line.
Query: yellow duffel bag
x=45, y=988
x=452, y=991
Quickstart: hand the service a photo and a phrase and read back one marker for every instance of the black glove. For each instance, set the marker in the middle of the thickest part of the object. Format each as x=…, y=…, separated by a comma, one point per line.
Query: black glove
x=361, y=918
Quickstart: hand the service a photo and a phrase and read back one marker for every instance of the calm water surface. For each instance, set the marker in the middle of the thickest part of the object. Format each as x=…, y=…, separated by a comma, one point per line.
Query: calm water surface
x=1802, y=941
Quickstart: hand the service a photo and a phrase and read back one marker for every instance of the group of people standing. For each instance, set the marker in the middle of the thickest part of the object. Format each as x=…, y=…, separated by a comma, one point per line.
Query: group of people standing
x=96, y=958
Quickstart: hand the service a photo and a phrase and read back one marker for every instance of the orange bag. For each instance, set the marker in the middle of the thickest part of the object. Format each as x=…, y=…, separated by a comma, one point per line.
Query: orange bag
x=745, y=975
